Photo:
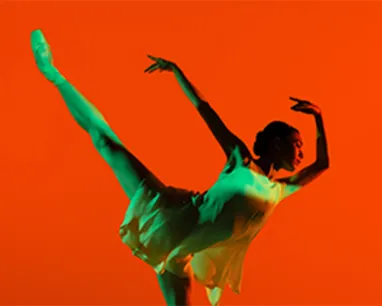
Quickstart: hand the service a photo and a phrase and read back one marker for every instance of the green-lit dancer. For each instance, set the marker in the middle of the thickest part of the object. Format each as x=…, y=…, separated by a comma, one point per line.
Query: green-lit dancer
x=184, y=234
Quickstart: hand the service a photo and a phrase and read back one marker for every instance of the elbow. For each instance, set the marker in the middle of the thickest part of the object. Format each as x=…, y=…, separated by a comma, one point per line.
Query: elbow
x=326, y=163
x=323, y=164
x=201, y=104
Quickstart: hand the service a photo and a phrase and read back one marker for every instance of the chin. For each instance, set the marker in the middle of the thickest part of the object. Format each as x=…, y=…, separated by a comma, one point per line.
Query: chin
x=288, y=166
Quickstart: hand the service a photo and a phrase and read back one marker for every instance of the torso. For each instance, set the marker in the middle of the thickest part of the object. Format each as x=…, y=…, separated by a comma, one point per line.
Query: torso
x=244, y=192
x=245, y=181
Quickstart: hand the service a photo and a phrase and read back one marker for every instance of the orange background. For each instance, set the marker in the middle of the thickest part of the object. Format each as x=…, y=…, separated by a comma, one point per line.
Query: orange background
x=61, y=206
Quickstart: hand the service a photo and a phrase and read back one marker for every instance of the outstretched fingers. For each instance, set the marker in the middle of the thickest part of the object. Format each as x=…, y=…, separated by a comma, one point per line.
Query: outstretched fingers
x=297, y=100
x=157, y=65
x=160, y=64
x=152, y=57
x=152, y=68
x=300, y=103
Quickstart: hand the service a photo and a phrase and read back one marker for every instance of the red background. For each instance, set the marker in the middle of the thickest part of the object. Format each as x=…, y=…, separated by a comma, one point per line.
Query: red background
x=60, y=206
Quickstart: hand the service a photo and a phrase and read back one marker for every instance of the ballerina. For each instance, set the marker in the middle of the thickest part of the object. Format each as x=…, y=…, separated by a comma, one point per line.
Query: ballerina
x=185, y=234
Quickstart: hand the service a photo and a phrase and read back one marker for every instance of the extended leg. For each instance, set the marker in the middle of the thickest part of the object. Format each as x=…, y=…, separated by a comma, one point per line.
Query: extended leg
x=128, y=169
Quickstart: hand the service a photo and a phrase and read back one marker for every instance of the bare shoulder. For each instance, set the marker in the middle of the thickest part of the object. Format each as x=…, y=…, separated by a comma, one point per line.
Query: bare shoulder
x=287, y=188
x=237, y=159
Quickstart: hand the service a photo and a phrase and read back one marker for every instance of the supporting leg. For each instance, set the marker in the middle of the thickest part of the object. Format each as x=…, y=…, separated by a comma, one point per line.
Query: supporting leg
x=174, y=288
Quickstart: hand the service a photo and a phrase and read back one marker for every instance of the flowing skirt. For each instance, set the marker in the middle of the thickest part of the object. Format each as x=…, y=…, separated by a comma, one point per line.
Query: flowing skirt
x=163, y=228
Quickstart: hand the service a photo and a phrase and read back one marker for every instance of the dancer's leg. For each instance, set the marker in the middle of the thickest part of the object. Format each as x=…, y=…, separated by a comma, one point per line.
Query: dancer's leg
x=178, y=266
x=128, y=169
x=175, y=289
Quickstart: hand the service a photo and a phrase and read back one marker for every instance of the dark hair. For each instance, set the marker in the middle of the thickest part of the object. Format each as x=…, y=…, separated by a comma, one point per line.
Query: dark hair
x=271, y=131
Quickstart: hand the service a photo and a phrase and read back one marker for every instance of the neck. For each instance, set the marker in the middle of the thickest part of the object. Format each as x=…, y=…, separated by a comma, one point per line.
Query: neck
x=267, y=166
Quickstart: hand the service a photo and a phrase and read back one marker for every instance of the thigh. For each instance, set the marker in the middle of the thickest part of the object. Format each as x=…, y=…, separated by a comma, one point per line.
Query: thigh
x=202, y=237
x=210, y=233
x=205, y=236
x=128, y=169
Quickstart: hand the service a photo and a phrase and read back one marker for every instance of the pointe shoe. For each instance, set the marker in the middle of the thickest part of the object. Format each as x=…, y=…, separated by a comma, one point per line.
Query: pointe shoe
x=43, y=57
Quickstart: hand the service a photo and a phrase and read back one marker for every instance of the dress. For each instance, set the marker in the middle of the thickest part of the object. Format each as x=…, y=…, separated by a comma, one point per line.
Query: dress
x=210, y=231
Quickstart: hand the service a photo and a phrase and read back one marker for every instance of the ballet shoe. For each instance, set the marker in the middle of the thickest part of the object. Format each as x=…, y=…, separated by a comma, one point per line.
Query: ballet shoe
x=43, y=57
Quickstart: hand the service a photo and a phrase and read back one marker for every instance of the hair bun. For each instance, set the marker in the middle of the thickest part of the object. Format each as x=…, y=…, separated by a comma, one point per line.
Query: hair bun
x=260, y=144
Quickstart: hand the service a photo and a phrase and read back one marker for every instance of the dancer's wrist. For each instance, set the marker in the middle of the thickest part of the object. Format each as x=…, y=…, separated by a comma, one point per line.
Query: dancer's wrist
x=173, y=67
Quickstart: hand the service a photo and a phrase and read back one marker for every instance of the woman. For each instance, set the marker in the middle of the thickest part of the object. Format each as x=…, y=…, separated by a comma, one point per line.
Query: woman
x=184, y=234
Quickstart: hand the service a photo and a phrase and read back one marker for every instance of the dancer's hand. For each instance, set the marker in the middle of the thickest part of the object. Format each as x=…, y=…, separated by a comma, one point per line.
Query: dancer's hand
x=160, y=64
x=305, y=107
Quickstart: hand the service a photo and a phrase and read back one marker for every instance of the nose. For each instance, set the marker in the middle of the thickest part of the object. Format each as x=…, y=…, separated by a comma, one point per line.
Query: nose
x=301, y=155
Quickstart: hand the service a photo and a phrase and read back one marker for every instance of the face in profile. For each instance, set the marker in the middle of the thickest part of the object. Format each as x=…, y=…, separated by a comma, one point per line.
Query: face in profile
x=291, y=152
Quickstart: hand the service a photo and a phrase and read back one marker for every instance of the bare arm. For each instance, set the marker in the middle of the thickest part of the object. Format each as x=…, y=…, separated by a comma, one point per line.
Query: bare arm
x=227, y=140
x=321, y=164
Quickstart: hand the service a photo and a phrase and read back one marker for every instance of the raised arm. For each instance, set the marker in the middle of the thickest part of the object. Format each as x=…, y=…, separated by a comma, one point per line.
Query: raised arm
x=311, y=172
x=227, y=140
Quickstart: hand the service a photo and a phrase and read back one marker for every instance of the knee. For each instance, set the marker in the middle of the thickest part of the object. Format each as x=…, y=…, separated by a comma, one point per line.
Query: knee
x=203, y=268
x=129, y=235
x=179, y=263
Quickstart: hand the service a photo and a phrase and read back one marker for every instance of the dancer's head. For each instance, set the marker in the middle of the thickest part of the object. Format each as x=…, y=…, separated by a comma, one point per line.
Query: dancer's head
x=281, y=144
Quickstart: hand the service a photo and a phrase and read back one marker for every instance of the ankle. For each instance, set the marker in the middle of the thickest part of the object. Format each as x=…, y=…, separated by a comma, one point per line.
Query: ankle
x=53, y=75
x=59, y=79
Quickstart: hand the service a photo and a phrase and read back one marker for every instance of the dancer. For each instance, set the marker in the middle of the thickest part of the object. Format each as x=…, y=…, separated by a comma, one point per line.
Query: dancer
x=184, y=234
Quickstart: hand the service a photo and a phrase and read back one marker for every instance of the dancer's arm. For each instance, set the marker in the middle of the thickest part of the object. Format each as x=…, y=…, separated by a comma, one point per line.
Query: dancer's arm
x=227, y=140
x=311, y=172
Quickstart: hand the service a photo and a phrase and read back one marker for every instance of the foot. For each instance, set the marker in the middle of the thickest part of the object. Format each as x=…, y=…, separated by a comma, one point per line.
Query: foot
x=43, y=57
